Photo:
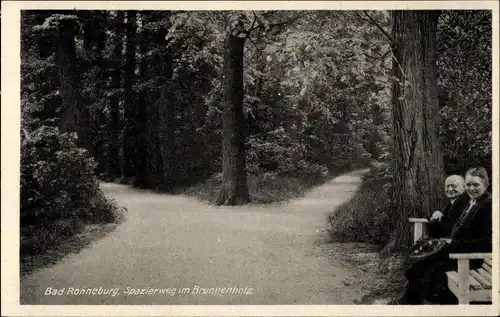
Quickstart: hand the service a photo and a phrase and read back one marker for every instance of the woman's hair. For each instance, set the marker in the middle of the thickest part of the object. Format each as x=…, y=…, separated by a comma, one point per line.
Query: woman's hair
x=479, y=172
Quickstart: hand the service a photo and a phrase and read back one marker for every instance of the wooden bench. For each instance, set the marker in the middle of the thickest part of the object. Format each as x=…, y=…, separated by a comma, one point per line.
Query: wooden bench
x=467, y=285
x=471, y=285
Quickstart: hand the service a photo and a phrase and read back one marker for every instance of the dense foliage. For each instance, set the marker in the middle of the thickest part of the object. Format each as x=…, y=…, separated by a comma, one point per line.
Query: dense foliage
x=465, y=79
x=59, y=190
x=152, y=81
x=144, y=92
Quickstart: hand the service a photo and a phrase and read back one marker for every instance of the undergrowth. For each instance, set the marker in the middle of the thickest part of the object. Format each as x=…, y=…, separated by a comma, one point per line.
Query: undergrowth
x=265, y=188
x=364, y=218
x=60, y=193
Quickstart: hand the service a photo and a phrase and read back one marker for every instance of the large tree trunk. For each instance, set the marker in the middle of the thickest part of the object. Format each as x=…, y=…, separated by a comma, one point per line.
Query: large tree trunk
x=417, y=158
x=142, y=177
x=165, y=129
x=129, y=138
x=114, y=130
x=234, y=189
x=94, y=42
x=74, y=116
x=157, y=136
x=164, y=149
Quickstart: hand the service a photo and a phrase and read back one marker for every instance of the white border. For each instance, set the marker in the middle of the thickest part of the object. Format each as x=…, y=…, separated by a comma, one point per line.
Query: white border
x=10, y=60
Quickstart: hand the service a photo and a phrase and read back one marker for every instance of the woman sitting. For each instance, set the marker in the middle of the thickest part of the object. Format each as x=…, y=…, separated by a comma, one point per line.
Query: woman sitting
x=471, y=233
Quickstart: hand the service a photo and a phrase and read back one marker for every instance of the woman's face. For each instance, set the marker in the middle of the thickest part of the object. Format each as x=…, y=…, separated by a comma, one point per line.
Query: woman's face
x=475, y=186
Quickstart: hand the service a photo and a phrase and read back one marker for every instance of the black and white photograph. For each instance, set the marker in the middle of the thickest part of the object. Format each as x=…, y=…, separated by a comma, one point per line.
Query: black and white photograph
x=252, y=156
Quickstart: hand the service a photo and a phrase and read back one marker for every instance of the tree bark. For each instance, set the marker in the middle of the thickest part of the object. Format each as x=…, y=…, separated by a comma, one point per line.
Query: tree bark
x=74, y=116
x=157, y=136
x=129, y=138
x=94, y=42
x=234, y=189
x=143, y=114
x=417, y=159
x=114, y=146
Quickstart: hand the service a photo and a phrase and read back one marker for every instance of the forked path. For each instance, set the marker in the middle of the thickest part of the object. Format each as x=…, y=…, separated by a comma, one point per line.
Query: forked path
x=278, y=251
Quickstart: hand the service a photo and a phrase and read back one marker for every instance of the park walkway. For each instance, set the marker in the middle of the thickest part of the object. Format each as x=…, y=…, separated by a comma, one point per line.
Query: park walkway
x=278, y=253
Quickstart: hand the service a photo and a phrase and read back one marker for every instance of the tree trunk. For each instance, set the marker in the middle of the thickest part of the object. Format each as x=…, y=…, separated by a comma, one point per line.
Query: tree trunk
x=94, y=43
x=129, y=138
x=417, y=160
x=157, y=100
x=74, y=117
x=114, y=146
x=142, y=178
x=234, y=189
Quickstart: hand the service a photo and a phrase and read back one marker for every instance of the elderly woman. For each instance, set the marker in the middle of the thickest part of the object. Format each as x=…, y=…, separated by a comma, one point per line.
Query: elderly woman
x=473, y=229
x=471, y=233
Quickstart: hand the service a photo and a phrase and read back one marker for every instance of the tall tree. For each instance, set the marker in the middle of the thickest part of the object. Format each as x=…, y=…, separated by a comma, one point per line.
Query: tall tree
x=234, y=181
x=66, y=59
x=156, y=71
x=129, y=138
x=74, y=115
x=92, y=62
x=115, y=96
x=417, y=159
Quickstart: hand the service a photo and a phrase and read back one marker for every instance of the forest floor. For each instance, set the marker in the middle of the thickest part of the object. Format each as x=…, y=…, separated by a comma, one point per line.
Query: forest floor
x=279, y=253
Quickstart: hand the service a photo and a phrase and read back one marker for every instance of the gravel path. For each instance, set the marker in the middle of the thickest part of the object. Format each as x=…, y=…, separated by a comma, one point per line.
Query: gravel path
x=278, y=253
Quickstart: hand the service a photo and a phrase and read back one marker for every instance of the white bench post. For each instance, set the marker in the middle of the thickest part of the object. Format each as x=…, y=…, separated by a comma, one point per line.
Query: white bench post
x=463, y=281
x=419, y=231
x=419, y=228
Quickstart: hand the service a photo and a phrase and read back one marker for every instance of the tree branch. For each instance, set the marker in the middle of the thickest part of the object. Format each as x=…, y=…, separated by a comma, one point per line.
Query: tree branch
x=253, y=23
x=361, y=17
x=258, y=49
x=391, y=40
x=290, y=21
x=383, y=56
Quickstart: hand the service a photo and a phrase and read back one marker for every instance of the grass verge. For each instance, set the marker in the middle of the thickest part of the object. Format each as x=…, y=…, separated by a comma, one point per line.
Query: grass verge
x=366, y=217
x=262, y=189
x=74, y=244
x=60, y=239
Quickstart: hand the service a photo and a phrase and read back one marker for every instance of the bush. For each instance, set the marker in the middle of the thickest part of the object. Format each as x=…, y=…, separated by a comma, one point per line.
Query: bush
x=276, y=153
x=59, y=190
x=365, y=218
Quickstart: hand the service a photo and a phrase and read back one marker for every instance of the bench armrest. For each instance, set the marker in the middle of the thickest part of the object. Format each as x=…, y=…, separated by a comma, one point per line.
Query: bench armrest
x=418, y=220
x=470, y=256
x=419, y=228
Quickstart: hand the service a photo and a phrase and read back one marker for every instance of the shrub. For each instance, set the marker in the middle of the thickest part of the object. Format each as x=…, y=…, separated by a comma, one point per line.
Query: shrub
x=59, y=190
x=365, y=218
x=276, y=153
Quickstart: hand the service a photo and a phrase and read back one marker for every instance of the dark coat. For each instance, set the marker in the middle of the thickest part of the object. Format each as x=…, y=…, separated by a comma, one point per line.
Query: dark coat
x=442, y=228
x=473, y=231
